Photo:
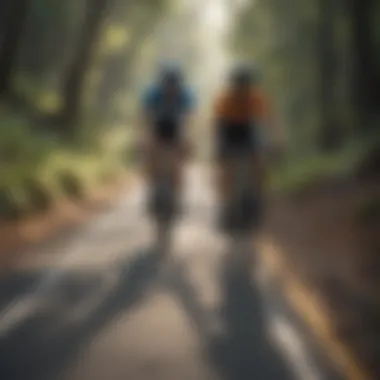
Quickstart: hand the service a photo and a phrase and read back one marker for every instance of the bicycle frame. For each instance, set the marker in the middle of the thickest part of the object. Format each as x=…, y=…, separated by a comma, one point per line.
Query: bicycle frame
x=242, y=169
x=163, y=191
x=164, y=200
x=243, y=191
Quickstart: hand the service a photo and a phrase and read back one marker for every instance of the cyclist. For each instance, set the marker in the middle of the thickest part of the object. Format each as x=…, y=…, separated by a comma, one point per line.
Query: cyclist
x=240, y=114
x=167, y=105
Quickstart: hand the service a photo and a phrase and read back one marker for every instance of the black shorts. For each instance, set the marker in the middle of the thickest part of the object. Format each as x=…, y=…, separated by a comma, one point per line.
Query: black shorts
x=167, y=131
x=235, y=139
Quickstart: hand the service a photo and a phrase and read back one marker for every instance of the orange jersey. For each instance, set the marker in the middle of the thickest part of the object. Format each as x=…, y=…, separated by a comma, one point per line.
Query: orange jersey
x=241, y=108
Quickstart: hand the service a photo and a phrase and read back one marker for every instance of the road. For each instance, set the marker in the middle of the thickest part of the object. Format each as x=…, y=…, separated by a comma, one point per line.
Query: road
x=98, y=304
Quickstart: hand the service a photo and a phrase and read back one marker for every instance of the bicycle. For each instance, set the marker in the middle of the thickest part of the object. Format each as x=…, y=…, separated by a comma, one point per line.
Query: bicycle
x=164, y=201
x=243, y=208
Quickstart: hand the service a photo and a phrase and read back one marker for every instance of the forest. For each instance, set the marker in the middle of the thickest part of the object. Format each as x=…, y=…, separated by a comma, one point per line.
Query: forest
x=321, y=63
x=321, y=66
x=67, y=83
x=71, y=73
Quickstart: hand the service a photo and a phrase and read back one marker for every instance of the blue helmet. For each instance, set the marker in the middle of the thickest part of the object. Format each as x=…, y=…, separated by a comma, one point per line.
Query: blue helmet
x=171, y=73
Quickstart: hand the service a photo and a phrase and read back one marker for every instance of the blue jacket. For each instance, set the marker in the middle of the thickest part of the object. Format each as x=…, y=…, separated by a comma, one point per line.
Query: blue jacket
x=154, y=102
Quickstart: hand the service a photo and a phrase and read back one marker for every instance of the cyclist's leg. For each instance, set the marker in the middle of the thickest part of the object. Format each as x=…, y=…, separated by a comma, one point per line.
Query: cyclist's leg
x=160, y=141
x=260, y=172
x=180, y=160
x=223, y=166
x=259, y=165
x=259, y=179
x=223, y=188
x=227, y=178
x=175, y=145
x=223, y=162
x=177, y=167
x=152, y=157
x=224, y=183
x=148, y=161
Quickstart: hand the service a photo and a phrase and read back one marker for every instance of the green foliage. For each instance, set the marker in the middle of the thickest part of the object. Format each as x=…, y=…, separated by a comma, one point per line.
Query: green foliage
x=306, y=50
x=36, y=172
x=368, y=212
x=41, y=98
x=301, y=172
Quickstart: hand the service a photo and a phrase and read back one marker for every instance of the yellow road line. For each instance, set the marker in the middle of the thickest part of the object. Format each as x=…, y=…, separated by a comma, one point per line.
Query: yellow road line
x=314, y=314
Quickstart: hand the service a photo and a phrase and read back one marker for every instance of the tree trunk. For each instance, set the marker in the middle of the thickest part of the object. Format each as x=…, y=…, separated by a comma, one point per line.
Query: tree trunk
x=76, y=74
x=366, y=82
x=327, y=73
x=5, y=7
x=11, y=36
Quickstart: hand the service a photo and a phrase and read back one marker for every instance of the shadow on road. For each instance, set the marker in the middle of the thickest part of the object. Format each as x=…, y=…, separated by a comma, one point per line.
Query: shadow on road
x=34, y=350
x=244, y=350
x=44, y=344
x=15, y=285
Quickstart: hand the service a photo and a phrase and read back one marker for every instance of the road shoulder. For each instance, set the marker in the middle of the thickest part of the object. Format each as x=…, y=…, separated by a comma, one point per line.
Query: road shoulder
x=315, y=252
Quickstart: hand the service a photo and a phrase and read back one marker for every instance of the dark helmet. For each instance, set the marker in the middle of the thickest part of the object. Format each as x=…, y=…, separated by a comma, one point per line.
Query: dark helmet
x=244, y=75
x=171, y=73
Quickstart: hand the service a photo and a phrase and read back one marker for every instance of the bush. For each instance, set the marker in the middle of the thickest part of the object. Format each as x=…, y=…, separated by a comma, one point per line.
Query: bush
x=368, y=213
x=9, y=209
x=303, y=172
x=40, y=198
x=36, y=171
x=71, y=185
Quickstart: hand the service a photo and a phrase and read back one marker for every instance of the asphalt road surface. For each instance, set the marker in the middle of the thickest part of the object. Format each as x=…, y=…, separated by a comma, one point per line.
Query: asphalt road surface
x=98, y=304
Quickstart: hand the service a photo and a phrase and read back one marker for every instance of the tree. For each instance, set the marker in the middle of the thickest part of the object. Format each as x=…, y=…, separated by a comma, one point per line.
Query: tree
x=366, y=83
x=75, y=76
x=327, y=74
x=12, y=33
x=321, y=64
